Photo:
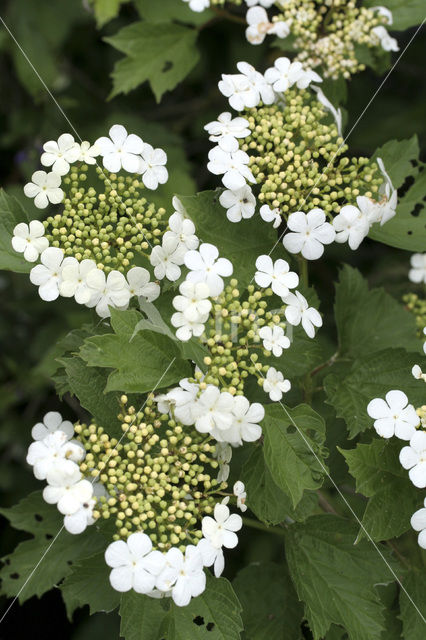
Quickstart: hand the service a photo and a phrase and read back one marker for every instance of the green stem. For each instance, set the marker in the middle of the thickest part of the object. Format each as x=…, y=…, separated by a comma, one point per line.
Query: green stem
x=255, y=524
x=303, y=270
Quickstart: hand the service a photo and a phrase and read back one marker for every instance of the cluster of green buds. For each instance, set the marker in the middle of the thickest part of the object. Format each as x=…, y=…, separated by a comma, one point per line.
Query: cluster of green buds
x=232, y=337
x=421, y=412
x=328, y=33
x=109, y=225
x=295, y=157
x=417, y=306
x=159, y=477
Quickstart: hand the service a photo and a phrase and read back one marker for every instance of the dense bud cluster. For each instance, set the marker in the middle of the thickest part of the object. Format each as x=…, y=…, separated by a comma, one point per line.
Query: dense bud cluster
x=109, y=226
x=294, y=156
x=159, y=478
x=417, y=306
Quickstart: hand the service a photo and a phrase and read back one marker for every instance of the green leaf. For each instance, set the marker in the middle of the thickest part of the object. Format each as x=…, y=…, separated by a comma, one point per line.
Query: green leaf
x=265, y=498
x=142, y=361
x=335, y=578
x=141, y=617
x=369, y=320
x=372, y=377
x=379, y=475
x=398, y=157
x=34, y=515
x=412, y=624
x=405, y=13
x=106, y=10
x=294, y=455
x=207, y=213
x=11, y=213
x=168, y=10
x=162, y=53
x=88, y=583
x=277, y=613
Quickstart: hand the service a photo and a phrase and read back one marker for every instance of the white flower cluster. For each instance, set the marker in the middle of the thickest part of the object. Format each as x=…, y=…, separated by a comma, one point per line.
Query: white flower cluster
x=54, y=458
x=417, y=272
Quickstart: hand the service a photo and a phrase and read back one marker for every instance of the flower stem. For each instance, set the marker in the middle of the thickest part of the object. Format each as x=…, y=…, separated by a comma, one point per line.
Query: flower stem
x=255, y=524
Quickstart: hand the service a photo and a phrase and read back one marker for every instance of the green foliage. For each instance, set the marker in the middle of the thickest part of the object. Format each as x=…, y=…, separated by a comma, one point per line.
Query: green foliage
x=168, y=10
x=34, y=515
x=162, y=53
x=336, y=579
x=405, y=13
x=106, y=10
x=413, y=605
x=141, y=617
x=11, y=213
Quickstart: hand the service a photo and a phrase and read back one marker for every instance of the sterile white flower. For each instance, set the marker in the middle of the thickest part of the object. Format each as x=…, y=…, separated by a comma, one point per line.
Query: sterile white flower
x=270, y=215
x=244, y=427
x=418, y=373
x=183, y=398
x=306, y=78
x=239, y=204
x=88, y=152
x=29, y=239
x=309, y=233
x=198, y=5
x=183, y=575
x=239, y=491
x=47, y=275
x=67, y=489
x=212, y=556
x=284, y=74
x=393, y=416
x=275, y=385
x=264, y=3
x=298, y=311
x=276, y=275
x=52, y=422
x=206, y=266
x=60, y=154
x=418, y=522
x=134, y=564
x=260, y=26
x=187, y=328
x=221, y=529
x=225, y=131
x=120, y=150
x=166, y=258
x=183, y=230
x=74, y=279
x=194, y=301
x=417, y=272
x=247, y=88
x=233, y=167
x=152, y=166
x=44, y=188
x=258, y=82
x=384, y=12
x=274, y=339
x=336, y=113
x=54, y=451
x=140, y=286
x=78, y=522
x=213, y=411
x=111, y=290
x=413, y=457
x=351, y=226
x=387, y=42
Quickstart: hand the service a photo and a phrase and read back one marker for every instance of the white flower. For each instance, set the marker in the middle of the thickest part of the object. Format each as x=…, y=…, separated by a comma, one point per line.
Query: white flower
x=74, y=279
x=418, y=522
x=284, y=74
x=336, y=113
x=60, y=154
x=213, y=411
x=247, y=88
x=66, y=489
x=44, y=188
x=387, y=42
x=244, y=427
x=274, y=339
x=198, y=5
x=233, y=167
x=47, y=275
x=54, y=451
x=120, y=150
x=413, y=458
x=52, y=421
x=351, y=226
x=385, y=13
x=418, y=373
x=239, y=204
x=223, y=454
x=225, y=131
x=183, y=575
x=275, y=385
x=298, y=311
x=187, y=328
x=417, y=272
x=134, y=564
x=239, y=491
x=140, y=286
x=260, y=26
x=183, y=230
x=212, y=556
x=30, y=239
x=88, y=153
x=193, y=301
x=306, y=78
x=78, y=522
x=310, y=233
x=111, y=290
x=165, y=259
x=221, y=530
x=264, y=3
x=152, y=166
x=183, y=398
x=394, y=417
x=206, y=266
x=276, y=275
x=270, y=215
x=258, y=82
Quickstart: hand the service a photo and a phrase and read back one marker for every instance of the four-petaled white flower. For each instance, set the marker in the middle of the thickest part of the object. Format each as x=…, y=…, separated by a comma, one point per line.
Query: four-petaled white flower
x=47, y=275
x=152, y=166
x=134, y=564
x=184, y=399
x=60, y=154
x=417, y=272
x=213, y=411
x=44, y=188
x=67, y=489
x=166, y=258
x=418, y=522
x=194, y=301
x=309, y=233
x=53, y=452
x=284, y=74
x=206, y=266
x=351, y=226
x=52, y=422
x=276, y=275
x=259, y=26
x=74, y=279
x=120, y=150
x=29, y=239
x=275, y=385
x=239, y=204
x=183, y=230
x=247, y=88
x=245, y=425
x=183, y=575
x=393, y=416
x=187, y=328
x=413, y=458
x=232, y=166
x=221, y=530
x=212, y=555
x=140, y=286
x=106, y=291
x=298, y=311
x=274, y=339
x=270, y=215
x=225, y=131
x=78, y=522
x=88, y=152
x=240, y=493
x=387, y=42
